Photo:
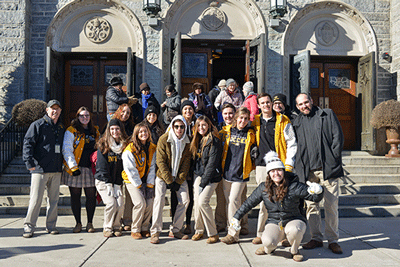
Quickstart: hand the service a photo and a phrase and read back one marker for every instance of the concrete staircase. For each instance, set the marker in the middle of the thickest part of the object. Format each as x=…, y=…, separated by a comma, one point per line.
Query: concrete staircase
x=371, y=188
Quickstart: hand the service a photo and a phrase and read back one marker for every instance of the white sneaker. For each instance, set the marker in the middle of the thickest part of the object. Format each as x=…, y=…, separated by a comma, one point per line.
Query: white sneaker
x=28, y=231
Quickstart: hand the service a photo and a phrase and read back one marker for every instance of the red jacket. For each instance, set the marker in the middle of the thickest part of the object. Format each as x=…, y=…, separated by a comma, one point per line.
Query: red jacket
x=251, y=104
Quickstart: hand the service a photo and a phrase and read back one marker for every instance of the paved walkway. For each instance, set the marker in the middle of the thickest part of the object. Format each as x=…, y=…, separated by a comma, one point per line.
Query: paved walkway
x=365, y=241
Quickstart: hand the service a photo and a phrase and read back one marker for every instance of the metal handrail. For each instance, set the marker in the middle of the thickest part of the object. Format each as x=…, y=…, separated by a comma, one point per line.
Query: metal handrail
x=11, y=141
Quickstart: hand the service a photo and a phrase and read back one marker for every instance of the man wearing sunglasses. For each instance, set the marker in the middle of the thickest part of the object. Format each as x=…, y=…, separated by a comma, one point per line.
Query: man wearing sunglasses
x=173, y=162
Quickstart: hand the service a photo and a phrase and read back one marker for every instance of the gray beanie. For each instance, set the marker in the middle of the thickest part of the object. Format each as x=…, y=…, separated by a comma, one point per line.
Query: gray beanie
x=248, y=87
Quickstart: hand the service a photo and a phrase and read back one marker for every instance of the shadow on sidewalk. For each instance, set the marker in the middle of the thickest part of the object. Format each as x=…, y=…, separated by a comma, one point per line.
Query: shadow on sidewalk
x=15, y=251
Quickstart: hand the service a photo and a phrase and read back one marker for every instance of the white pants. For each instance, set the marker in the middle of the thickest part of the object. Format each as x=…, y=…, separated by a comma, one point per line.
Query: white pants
x=141, y=211
x=233, y=194
x=114, y=207
x=261, y=176
x=203, y=213
x=159, y=203
x=40, y=182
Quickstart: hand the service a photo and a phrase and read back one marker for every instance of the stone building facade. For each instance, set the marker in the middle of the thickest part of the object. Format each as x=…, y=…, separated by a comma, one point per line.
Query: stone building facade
x=345, y=53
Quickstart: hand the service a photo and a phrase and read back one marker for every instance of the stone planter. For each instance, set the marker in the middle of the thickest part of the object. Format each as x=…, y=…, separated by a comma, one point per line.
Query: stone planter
x=393, y=135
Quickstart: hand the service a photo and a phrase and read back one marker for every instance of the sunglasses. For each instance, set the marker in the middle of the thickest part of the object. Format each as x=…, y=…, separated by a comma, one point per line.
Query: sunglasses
x=179, y=127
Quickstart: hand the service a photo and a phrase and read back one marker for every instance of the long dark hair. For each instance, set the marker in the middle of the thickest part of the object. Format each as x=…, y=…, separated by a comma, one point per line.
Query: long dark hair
x=212, y=131
x=78, y=125
x=159, y=127
x=135, y=137
x=276, y=192
x=104, y=145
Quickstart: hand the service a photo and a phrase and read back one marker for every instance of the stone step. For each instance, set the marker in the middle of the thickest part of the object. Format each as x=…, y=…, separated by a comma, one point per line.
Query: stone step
x=11, y=178
x=24, y=189
x=371, y=178
x=352, y=189
x=369, y=199
x=369, y=211
x=370, y=160
x=372, y=169
x=16, y=168
x=349, y=153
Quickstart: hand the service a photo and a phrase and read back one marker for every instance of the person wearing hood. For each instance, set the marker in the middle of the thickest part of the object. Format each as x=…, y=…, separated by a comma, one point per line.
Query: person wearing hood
x=147, y=99
x=250, y=101
x=172, y=105
x=230, y=95
x=173, y=162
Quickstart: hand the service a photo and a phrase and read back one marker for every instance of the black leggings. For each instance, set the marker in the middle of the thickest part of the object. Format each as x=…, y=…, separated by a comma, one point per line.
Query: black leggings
x=90, y=193
x=174, y=203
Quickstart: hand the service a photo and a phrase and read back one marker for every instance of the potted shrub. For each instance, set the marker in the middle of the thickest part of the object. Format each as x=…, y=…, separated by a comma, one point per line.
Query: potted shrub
x=387, y=115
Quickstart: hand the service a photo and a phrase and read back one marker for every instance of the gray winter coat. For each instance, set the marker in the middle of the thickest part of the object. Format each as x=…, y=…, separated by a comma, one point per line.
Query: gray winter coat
x=172, y=107
x=329, y=144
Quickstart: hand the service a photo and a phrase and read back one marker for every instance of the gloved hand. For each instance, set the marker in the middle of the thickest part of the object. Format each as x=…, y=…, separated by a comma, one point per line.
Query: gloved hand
x=254, y=153
x=77, y=172
x=142, y=190
x=169, y=186
x=235, y=224
x=288, y=168
x=110, y=190
x=314, y=188
x=132, y=100
x=176, y=186
x=200, y=189
x=117, y=191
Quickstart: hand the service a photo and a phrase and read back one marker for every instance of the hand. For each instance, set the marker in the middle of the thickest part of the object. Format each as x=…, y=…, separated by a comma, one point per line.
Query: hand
x=77, y=172
x=117, y=191
x=163, y=104
x=32, y=169
x=288, y=168
x=200, y=189
x=150, y=192
x=235, y=224
x=132, y=100
x=314, y=188
x=176, y=186
x=254, y=153
x=110, y=190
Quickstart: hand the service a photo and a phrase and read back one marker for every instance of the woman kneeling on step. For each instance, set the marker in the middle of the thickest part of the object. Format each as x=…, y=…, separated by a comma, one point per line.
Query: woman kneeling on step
x=139, y=160
x=281, y=194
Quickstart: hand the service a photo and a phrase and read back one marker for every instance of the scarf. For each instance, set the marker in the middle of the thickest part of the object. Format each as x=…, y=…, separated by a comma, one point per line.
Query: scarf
x=179, y=145
x=145, y=102
x=116, y=148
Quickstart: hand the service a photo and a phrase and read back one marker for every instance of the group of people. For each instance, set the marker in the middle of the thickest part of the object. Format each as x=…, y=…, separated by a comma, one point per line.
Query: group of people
x=204, y=144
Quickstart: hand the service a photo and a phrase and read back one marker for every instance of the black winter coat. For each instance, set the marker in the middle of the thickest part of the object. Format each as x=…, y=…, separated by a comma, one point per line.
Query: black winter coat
x=285, y=210
x=39, y=146
x=109, y=167
x=329, y=144
x=210, y=162
x=114, y=98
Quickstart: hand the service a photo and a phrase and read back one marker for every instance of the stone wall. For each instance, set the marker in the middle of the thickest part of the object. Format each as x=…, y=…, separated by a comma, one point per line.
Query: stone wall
x=395, y=45
x=13, y=54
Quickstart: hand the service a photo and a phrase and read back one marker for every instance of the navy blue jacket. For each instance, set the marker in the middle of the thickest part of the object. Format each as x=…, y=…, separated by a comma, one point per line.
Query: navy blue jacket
x=40, y=144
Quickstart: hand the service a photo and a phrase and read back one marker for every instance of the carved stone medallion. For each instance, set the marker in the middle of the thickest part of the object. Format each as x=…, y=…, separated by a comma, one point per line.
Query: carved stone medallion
x=326, y=33
x=97, y=29
x=213, y=18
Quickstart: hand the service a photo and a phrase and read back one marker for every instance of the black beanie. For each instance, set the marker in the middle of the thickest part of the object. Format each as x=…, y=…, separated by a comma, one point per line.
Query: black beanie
x=114, y=122
x=187, y=103
x=280, y=97
x=150, y=109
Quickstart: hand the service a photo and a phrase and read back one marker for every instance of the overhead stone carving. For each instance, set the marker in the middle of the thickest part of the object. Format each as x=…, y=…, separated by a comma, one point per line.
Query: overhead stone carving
x=213, y=18
x=326, y=33
x=97, y=29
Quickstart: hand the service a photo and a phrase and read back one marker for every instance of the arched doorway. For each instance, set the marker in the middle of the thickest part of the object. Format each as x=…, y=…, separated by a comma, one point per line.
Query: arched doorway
x=87, y=44
x=201, y=38
x=329, y=50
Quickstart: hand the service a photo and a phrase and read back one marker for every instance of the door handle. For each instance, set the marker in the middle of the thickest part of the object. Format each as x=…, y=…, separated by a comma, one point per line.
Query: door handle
x=94, y=103
x=101, y=97
x=324, y=102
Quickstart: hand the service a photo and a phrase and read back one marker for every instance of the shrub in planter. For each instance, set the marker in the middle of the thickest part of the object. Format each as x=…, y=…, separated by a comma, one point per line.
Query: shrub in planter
x=27, y=111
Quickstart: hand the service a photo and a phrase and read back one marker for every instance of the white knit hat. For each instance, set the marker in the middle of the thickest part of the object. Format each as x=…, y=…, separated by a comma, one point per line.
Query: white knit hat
x=248, y=86
x=273, y=161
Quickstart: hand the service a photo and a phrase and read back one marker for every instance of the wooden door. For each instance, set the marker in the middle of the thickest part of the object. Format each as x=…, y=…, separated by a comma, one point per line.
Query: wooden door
x=86, y=82
x=196, y=67
x=334, y=86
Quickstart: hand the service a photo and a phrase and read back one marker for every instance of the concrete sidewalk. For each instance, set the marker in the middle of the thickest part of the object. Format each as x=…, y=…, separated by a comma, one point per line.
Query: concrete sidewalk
x=365, y=242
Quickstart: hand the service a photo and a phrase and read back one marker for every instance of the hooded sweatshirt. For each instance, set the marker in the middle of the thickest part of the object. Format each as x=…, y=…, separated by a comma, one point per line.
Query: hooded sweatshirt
x=180, y=144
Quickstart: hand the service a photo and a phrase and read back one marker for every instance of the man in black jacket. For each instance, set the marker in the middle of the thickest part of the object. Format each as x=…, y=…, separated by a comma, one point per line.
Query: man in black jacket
x=43, y=158
x=115, y=96
x=319, y=159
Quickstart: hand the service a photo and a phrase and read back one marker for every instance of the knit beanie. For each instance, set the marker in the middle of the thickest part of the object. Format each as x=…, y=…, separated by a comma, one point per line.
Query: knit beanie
x=114, y=122
x=222, y=83
x=150, y=109
x=187, y=103
x=279, y=97
x=229, y=81
x=273, y=161
x=248, y=87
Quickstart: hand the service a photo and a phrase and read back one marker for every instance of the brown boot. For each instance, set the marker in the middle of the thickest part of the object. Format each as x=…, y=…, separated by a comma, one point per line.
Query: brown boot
x=107, y=233
x=180, y=235
x=257, y=241
x=297, y=257
x=145, y=234
x=197, y=237
x=285, y=243
x=261, y=251
x=313, y=244
x=155, y=238
x=90, y=228
x=77, y=228
x=136, y=235
x=335, y=248
x=228, y=239
x=213, y=239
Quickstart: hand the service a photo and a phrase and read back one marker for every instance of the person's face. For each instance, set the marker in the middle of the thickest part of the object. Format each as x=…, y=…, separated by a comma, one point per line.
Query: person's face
x=265, y=104
x=276, y=175
x=198, y=91
x=187, y=112
x=245, y=93
x=143, y=135
x=125, y=113
x=115, y=132
x=84, y=117
x=227, y=115
x=151, y=118
x=303, y=104
x=231, y=87
x=168, y=93
x=279, y=107
x=242, y=121
x=54, y=112
x=146, y=91
x=203, y=128
x=179, y=129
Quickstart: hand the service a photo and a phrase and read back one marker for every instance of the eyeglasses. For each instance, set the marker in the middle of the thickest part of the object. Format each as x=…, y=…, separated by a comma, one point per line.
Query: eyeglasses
x=179, y=127
x=84, y=116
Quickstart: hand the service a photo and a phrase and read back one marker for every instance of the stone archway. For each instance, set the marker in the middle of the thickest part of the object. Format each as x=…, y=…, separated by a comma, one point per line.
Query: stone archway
x=348, y=34
x=209, y=20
